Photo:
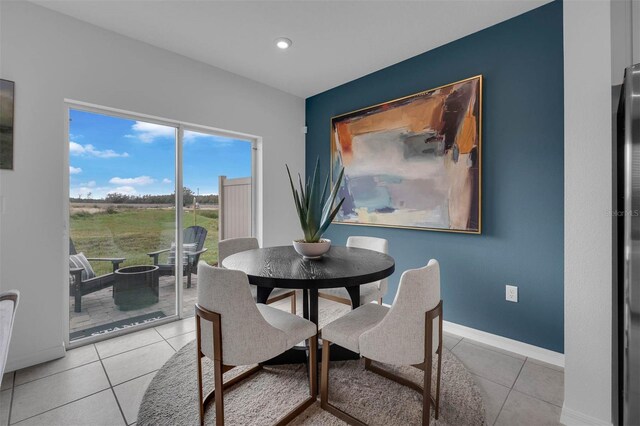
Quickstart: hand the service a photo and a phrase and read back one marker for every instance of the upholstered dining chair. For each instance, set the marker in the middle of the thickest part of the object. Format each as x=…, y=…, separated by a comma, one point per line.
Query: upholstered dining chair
x=232, y=330
x=369, y=292
x=408, y=333
x=236, y=245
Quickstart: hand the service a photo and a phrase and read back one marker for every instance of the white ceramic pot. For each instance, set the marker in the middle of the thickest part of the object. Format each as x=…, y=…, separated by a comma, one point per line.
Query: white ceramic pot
x=312, y=250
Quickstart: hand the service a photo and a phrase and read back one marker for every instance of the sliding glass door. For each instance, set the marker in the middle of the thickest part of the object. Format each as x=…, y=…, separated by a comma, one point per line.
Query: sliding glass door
x=122, y=222
x=127, y=174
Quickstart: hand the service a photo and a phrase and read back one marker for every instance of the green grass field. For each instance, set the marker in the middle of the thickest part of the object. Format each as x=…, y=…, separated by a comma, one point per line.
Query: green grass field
x=133, y=232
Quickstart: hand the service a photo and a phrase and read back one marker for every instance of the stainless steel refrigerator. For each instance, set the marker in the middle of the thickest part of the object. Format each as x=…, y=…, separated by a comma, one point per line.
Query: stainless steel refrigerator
x=628, y=247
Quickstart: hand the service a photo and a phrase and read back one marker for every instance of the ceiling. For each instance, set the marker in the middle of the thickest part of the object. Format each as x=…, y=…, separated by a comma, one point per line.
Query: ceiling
x=333, y=41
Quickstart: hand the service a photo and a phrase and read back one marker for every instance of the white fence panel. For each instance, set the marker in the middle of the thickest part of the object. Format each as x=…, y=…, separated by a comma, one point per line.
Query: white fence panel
x=235, y=212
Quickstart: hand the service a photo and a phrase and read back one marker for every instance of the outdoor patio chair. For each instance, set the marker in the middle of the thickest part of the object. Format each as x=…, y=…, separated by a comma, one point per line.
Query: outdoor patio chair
x=193, y=239
x=82, y=278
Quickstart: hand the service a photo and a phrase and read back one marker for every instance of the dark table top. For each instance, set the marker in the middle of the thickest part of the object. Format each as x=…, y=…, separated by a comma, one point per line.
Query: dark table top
x=284, y=268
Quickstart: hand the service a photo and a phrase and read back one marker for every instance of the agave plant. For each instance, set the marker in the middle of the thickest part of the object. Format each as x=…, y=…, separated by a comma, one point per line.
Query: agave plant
x=314, y=207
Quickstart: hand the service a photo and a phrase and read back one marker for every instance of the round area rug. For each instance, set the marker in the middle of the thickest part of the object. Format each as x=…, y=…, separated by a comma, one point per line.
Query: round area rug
x=263, y=398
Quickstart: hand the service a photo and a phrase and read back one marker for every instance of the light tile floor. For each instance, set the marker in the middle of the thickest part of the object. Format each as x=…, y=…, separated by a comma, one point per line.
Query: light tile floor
x=103, y=383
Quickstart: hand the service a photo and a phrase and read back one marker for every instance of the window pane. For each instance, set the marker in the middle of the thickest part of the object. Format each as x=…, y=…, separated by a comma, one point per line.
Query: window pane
x=122, y=222
x=209, y=159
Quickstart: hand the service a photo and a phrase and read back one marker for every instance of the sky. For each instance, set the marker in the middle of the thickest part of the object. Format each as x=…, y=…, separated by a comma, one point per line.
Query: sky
x=111, y=154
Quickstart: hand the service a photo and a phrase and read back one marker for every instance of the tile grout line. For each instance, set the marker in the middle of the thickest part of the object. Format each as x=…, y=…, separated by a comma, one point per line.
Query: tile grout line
x=95, y=360
x=112, y=390
x=100, y=359
x=457, y=343
x=71, y=368
x=60, y=406
x=58, y=372
x=128, y=350
x=489, y=348
x=527, y=394
x=137, y=377
x=510, y=389
x=13, y=381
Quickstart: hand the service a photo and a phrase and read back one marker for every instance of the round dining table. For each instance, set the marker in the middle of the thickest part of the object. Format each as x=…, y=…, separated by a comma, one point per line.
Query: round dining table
x=283, y=267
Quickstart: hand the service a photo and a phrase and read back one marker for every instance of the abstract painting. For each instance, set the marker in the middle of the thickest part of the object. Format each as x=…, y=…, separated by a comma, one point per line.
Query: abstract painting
x=413, y=162
x=6, y=124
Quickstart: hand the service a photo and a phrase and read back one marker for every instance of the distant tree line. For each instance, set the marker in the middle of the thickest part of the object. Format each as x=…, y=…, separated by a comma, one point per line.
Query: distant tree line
x=188, y=197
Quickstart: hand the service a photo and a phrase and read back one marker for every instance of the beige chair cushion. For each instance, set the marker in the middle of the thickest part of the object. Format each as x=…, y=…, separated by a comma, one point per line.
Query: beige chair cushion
x=368, y=292
x=296, y=328
x=346, y=330
x=399, y=338
x=247, y=336
x=235, y=245
x=395, y=335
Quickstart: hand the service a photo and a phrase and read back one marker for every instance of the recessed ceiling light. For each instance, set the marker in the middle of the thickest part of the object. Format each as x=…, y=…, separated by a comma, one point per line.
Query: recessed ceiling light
x=283, y=43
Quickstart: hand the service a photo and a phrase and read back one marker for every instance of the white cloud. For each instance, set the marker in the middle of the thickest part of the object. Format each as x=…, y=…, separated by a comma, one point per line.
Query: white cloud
x=148, y=132
x=90, y=151
x=90, y=184
x=74, y=170
x=140, y=180
x=165, y=180
x=128, y=190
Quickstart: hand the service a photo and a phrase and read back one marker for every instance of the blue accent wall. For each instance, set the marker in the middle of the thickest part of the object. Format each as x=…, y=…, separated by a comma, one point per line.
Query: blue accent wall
x=522, y=175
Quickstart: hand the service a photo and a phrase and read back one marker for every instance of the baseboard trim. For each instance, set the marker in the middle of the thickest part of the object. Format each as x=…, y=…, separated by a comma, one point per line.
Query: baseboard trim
x=16, y=363
x=571, y=417
x=521, y=348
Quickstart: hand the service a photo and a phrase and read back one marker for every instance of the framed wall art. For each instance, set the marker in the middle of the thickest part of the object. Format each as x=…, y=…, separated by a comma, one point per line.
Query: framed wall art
x=413, y=162
x=7, y=91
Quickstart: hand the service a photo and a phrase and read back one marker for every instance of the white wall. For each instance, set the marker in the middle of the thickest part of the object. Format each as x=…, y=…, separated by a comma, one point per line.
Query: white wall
x=52, y=57
x=588, y=198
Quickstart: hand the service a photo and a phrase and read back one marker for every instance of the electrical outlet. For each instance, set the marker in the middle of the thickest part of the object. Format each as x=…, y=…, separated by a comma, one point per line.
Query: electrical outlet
x=511, y=293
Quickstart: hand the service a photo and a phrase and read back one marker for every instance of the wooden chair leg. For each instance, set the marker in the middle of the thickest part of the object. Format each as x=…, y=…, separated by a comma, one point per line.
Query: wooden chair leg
x=219, y=392
x=293, y=305
x=430, y=316
x=218, y=369
x=426, y=393
x=380, y=301
x=200, y=384
x=324, y=390
x=324, y=374
x=313, y=367
x=439, y=373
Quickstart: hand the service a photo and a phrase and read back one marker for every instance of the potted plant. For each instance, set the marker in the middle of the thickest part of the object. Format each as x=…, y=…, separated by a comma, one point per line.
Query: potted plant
x=315, y=211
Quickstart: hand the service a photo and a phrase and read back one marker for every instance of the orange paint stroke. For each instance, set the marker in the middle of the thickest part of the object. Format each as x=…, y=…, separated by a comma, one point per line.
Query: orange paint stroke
x=423, y=113
x=467, y=135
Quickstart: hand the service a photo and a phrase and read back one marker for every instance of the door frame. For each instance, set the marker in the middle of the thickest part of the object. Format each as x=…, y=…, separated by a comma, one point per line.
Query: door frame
x=181, y=127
